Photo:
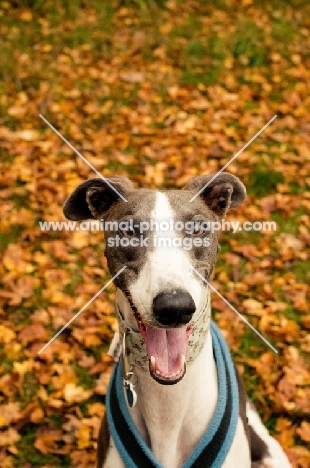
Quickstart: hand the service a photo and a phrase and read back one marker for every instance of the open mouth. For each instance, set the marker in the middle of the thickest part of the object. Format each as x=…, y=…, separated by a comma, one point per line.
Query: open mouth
x=166, y=349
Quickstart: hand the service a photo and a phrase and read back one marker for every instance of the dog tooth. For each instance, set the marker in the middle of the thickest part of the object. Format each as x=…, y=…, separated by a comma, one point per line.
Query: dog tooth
x=182, y=361
x=167, y=376
x=153, y=361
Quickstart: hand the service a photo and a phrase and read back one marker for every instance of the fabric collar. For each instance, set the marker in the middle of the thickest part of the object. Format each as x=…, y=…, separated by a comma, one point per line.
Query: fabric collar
x=136, y=348
x=214, y=445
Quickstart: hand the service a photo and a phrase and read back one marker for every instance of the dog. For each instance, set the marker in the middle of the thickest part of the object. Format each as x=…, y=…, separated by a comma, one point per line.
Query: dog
x=175, y=398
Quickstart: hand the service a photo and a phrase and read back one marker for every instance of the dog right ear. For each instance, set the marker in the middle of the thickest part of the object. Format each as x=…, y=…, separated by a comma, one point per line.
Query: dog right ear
x=220, y=192
x=93, y=198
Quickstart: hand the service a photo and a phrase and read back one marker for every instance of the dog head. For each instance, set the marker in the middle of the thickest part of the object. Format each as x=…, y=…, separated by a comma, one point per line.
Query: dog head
x=161, y=237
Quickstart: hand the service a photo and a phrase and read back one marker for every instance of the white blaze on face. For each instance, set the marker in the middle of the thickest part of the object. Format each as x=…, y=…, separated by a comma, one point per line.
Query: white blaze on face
x=166, y=267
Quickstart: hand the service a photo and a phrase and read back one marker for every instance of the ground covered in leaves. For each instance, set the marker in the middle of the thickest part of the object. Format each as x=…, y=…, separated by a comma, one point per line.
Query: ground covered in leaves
x=161, y=95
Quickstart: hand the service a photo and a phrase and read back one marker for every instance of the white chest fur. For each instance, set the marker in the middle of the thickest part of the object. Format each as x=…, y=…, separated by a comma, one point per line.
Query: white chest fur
x=172, y=419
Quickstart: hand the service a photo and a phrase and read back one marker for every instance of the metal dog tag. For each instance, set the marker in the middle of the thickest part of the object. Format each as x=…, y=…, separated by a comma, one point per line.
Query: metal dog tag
x=131, y=394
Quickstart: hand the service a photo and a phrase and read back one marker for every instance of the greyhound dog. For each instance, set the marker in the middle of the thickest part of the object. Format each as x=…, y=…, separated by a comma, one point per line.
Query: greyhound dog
x=175, y=398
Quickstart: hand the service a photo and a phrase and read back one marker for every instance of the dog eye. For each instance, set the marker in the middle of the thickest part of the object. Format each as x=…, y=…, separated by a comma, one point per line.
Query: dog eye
x=129, y=232
x=198, y=230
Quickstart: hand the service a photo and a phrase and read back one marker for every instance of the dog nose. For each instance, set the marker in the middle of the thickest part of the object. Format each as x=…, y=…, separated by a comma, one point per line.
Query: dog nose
x=173, y=308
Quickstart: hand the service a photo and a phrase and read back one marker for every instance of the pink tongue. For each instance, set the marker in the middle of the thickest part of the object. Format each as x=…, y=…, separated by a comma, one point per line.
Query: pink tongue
x=167, y=346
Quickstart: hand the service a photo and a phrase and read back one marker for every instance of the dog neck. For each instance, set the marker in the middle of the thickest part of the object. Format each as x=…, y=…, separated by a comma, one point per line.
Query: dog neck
x=172, y=418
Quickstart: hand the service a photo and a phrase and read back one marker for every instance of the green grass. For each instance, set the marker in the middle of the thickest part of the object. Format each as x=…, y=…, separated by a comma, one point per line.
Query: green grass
x=75, y=280
x=6, y=364
x=190, y=25
x=30, y=387
x=97, y=351
x=249, y=105
x=301, y=269
x=246, y=238
x=290, y=313
x=209, y=77
x=84, y=379
x=296, y=188
x=222, y=266
x=195, y=49
x=263, y=181
x=7, y=238
x=84, y=406
x=288, y=225
x=248, y=42
x=28, y=453
x=271, y=423
x=251, y=344
x=201, y=60
x=20, y=315
x=57, y=420
x=283, y=31
x=251, y=382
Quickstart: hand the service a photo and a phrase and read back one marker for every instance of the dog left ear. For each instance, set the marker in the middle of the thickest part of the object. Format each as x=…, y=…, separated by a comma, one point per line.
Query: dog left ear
x=93, y=198
x=224, y=192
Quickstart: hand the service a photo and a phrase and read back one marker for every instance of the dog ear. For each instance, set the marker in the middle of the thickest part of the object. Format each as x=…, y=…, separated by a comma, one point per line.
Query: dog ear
x=224, y=192
x=94, y=197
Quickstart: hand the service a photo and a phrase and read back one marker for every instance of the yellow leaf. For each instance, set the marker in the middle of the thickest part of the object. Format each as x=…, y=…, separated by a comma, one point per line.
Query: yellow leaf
x=6, y=334
x=83, y=436
x=28, y=135
x=26, y=15
x=304, y=431
x=75, y=394
x=253, y=307
x=46, y=48
x=22, y=368
x=9, y=437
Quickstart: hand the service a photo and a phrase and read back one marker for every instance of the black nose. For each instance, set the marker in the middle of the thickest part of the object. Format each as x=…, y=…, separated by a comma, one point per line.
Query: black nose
x=173, y=308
